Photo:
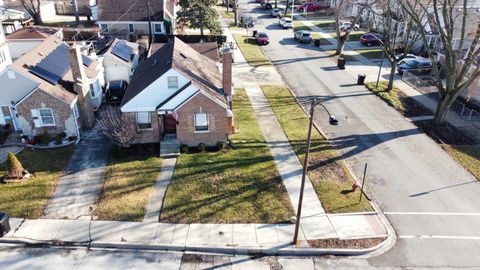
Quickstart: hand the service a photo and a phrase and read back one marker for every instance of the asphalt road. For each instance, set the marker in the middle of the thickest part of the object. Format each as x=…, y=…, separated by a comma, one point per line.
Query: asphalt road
x=431, y=201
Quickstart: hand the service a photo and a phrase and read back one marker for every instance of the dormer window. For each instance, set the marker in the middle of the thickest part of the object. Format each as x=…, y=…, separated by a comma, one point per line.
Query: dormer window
x=172, y=81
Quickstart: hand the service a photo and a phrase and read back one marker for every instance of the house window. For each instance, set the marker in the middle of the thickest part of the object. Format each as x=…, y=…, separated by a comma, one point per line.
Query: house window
x=92, y=90
x=201, y=122
x=172, y=82
x=130, y=28
x=158, y=28
x=46, y=117
x=2, y=57
x=104, y=27
x=143, y=120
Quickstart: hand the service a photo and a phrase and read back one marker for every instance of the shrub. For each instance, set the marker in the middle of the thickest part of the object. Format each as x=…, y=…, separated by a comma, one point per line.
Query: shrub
x=201, y=147
x=220, y=145
x=62, y=135
x=58, y=139
x=37, y=139
x=72, y=138
x=183, y=148
x=45, y=138
x=14, y=167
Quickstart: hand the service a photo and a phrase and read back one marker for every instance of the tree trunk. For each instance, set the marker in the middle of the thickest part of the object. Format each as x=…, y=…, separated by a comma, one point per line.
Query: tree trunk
x=37, y=19
x=391, y=78
x=443, y=106
x=286, y=8
x=228, y=3
x=276, y=3
x=201, y=32
x=341, y=41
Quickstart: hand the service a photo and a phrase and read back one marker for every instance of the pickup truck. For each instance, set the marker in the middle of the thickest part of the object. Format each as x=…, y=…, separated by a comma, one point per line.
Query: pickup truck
x=312, y=7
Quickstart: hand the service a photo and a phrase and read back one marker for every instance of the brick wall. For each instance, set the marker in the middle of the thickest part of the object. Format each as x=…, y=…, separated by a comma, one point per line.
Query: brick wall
x=6, y=113
x=39, y=99
x=217, y=122
x=147, y=136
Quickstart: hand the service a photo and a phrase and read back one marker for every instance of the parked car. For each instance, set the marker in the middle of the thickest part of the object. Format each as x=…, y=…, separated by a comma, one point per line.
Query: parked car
x=275, y=12
x=285, y=22
x=246, y=22
x=262, y=38
x=370, y=39
x=267, y=6
x=310, y=7
x=402, y=58
x=346, y=25
x=303, y=36
x=115, y=91
x=416, y=66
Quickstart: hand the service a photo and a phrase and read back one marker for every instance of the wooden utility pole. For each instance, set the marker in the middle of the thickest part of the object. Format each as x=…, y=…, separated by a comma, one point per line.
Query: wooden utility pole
x=304, y=173
x=75, y=9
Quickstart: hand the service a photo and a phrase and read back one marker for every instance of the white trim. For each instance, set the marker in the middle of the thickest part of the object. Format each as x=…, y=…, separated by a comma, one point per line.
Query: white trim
x=41, y=118
x=2, y=118
x=195, y=123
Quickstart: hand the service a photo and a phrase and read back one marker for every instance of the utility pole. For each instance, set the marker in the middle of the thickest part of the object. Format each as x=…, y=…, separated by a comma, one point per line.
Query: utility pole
x=75, y=9
x=304, y=173
x=149, y=26
x=235, y=12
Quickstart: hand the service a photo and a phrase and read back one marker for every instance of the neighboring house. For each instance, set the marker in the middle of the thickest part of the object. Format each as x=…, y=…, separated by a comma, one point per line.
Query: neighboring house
x=13, y=9
x=27, y=38
x=179, y=93
x=127, y=19
x=66, y=7
x=5, y=58
x=208, y=49
x=120, y=60
x=48, y=89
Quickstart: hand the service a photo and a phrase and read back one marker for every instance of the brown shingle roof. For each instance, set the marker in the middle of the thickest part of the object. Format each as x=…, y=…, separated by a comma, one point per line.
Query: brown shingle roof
x=33, y=32
x=201, y=70
x=208, y=49
x=113, y=10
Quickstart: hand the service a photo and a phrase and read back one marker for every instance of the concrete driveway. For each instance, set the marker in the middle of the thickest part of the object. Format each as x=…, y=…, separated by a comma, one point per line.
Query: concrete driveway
x=432, y=202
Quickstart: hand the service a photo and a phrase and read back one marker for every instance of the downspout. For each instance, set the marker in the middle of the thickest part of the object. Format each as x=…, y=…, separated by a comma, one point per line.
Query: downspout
x=76, y=123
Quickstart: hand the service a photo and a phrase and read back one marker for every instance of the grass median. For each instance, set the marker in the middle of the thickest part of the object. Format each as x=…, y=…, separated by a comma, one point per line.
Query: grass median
x=331, y=179
x=251, y=50
x=29, y=198
x=467, y=155
x=239, y=185
x=129, y=180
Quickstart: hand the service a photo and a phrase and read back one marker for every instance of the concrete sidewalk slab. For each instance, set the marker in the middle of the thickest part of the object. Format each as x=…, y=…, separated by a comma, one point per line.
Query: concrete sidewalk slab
x=152, y=214
x=266, y=234
x=140, y=232
x=351, y=226
x=220, y=235
x=295, y=264
x=244, y=235
x=74, y=231
x=14, y=225
x=40, y=229
x=107, y=231
x=23, y=230
x=318, y=227
x=180, y=234
x=198, y=234
x=164, y=233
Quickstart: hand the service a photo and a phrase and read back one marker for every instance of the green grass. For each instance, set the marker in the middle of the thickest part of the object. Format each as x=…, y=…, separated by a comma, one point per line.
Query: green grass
x=223, y=12
x=331, y=179
x=324, y=24
x=467, y=155
x=392, y=97
x=230, y=186
x=251, y=51
x=354, y=36
x=126, y=190
x=28, y=199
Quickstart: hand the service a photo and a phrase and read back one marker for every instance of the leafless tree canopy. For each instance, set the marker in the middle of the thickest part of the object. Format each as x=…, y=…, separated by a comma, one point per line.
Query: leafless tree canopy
x=458, y=30
x=33, y=8
x=120, y=128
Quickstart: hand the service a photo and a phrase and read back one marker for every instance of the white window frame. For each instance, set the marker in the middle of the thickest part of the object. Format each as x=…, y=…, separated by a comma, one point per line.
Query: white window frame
x=196, y=127
x=103, y=28
x=131, y=28
x=155, y=28
x=172, y=81
x=144, y=118
x=41, y=118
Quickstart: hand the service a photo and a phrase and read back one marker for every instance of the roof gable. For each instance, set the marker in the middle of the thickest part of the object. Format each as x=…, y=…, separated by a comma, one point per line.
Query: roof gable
x=115, y=10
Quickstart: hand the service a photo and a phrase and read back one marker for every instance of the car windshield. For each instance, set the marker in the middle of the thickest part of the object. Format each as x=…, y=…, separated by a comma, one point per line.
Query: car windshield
x=412, y=63
x=276, y=10
x=288, y=20
x=306, y=34
x=262, y=35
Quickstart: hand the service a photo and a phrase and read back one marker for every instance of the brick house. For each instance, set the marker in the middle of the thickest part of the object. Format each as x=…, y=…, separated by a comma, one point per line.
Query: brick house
x=178, y=93
x=50, y=89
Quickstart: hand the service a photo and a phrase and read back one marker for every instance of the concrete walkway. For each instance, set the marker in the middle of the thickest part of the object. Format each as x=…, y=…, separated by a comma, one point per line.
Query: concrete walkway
x=77, y=191
x=159, y=189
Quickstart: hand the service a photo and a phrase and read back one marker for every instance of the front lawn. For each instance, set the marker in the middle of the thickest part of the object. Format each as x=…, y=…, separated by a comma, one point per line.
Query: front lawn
x=354, y=36
x=298, y=25
x=467, y=155
x=29, y=198
x=251, y=50
x=129, y=180
x=324, y=24
x=331, y=179
x=239, y=185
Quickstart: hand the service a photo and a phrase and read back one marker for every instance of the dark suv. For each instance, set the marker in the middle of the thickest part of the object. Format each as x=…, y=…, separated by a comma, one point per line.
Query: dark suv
x=416, y=66
x=115, y=91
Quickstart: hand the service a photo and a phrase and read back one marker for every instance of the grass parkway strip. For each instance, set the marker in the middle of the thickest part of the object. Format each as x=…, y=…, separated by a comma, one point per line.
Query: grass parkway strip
x=330, y=178
x=235, y=185
x=250, y=49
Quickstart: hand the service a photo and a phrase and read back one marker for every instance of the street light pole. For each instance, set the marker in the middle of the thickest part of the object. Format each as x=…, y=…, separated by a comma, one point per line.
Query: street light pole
x=293, y=6
x=304, y=173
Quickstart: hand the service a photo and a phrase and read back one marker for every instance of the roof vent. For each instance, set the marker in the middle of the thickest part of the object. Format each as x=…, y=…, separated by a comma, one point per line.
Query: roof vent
x=41, y=54
x=154, y=63
x=11, y=75
x=183, y=55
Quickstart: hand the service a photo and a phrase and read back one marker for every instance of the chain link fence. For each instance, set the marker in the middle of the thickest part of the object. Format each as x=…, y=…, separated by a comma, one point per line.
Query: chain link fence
x=425, y=87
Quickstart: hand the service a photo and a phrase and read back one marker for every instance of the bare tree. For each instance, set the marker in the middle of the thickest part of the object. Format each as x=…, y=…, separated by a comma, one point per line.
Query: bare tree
x=459, y=34
x=397, y=29
x=342, y=10
x=120, y=128
x=33, y=8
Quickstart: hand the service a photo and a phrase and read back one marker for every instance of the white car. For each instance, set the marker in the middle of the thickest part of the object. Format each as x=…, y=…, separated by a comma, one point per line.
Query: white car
x=346, y=25
x=285, y=22
x=275, y=12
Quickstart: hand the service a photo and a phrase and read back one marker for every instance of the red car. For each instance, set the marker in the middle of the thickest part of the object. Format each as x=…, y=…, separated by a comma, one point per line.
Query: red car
x=262, y=38
x=370, y=39
x=310, y=7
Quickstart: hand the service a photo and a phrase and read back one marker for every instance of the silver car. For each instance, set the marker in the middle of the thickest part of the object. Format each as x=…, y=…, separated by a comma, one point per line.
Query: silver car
x=303, y=36
x=275, y=12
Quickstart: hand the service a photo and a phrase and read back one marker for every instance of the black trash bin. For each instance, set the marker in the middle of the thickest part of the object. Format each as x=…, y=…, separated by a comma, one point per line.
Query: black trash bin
x=361, y=79
x=254, y=33
x=4, y=224
x=341, y=63
x=316, y=42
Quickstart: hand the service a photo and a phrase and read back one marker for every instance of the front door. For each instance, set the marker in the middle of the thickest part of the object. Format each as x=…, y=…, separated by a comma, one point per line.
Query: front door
x=170, y=124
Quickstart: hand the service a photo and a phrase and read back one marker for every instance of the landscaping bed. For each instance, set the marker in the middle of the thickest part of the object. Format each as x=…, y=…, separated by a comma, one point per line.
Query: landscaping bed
x=28, y=198
x=346, y=243
x=330, y=178
x=251, y=50
x=240, y=185
x=129, y=179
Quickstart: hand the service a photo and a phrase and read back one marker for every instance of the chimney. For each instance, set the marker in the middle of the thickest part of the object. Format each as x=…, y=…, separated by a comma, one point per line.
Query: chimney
x=81, y=87
x=227, y=59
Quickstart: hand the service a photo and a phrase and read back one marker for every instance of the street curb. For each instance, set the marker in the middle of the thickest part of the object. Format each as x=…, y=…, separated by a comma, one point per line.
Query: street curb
x=268, y=251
